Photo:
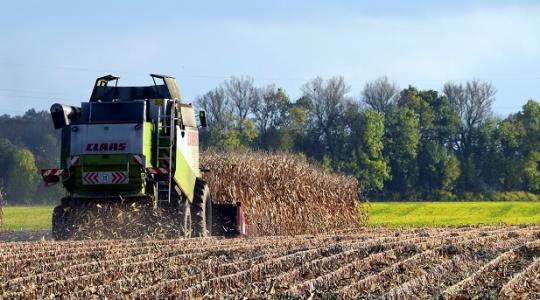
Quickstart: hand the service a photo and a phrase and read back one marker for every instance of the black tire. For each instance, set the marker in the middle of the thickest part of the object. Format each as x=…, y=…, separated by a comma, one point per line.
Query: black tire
x=181, y=212
x=185, y=218
x=201, y=209
x=150, y=186
x=59, y=224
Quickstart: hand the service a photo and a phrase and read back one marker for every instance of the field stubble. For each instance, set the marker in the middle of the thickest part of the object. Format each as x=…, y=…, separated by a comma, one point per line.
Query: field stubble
x=370, y=263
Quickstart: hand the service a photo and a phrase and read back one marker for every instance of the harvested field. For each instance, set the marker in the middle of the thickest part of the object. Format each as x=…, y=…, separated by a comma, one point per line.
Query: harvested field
x=281, y=194
x=453, y=263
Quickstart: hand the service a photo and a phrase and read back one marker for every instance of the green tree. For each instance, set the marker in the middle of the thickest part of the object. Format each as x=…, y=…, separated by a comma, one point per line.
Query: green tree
x=450, y=174
x=401, y=140
x=509, y=137
x=483, y=168
x=438, y=123
x=295, y=124
x=372, y=169
x=23, y=177
x=517, y=144
x=439, y=170
x=472, y=101
x=530, y=118
x=35, y=132
x=18, y=172
x=236, y=134
x=531, y=172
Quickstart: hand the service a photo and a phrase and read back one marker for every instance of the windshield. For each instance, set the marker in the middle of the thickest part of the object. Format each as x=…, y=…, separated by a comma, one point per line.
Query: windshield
x=122, y=112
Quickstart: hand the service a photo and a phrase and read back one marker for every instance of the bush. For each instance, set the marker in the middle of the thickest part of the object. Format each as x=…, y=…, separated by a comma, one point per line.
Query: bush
x=513, y=196
x=469, y=196
x=441, y=195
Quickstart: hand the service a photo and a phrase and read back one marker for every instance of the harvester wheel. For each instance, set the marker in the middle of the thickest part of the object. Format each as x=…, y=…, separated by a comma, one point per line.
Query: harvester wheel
x=59, y=224
x=201, y=210
x=185, y=218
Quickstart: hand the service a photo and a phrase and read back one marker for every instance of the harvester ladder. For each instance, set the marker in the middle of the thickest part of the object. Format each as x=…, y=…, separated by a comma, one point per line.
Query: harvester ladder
x=164, y=151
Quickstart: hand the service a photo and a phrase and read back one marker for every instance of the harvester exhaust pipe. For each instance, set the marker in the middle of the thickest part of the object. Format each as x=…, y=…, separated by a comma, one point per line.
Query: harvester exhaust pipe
x=62, y=115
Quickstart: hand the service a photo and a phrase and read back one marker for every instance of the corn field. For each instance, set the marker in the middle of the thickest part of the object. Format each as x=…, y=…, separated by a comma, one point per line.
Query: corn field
x=497, y=262
x=282, y=194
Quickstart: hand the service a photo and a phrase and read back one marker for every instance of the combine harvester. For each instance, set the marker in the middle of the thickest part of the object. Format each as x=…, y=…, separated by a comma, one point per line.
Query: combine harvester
x=136, y=146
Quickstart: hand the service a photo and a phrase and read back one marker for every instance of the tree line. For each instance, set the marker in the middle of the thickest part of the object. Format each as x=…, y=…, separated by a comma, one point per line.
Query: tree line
x=401, y=144
x=27, y=144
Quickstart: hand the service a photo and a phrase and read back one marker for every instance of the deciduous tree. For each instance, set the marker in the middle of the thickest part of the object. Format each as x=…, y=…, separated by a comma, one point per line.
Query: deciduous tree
x=379, y=94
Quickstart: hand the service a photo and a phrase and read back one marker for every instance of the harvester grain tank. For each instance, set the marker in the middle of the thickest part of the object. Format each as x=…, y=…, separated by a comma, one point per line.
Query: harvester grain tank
x=136, y=145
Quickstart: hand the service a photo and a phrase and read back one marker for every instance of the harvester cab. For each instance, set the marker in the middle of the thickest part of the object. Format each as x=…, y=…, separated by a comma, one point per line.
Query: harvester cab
x=136, y=145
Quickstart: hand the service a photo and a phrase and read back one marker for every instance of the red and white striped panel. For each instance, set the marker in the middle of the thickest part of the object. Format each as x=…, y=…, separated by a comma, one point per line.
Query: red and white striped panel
x=73, y=161
x=114, y=177
x=90, y=178
x=119, y=177
x=157, y=170
x=139, y=159
x=52, y=172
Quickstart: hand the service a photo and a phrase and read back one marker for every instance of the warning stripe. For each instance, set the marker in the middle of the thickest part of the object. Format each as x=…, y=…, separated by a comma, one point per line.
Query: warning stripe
x=119, y=177
x=52, y=172
x=90, y=178
x=138, y=159
x=73, y=161
x=157, y=170
x=114, y=177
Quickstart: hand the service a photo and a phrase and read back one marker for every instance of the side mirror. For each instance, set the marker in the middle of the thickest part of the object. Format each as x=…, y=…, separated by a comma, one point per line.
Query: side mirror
x=202, y=118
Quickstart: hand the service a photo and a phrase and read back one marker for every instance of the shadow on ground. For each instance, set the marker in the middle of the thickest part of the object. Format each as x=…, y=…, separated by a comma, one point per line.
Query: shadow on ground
x=24, y=235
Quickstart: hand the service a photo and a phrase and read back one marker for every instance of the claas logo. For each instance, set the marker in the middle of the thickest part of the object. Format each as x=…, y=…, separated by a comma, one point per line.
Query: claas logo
x=97, y=147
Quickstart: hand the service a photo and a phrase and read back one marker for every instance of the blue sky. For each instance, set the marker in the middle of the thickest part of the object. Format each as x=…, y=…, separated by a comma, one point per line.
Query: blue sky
x=52, y=51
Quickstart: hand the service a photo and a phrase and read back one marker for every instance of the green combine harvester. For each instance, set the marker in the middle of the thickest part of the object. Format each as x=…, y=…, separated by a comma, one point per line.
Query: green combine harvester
x=136, y=145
